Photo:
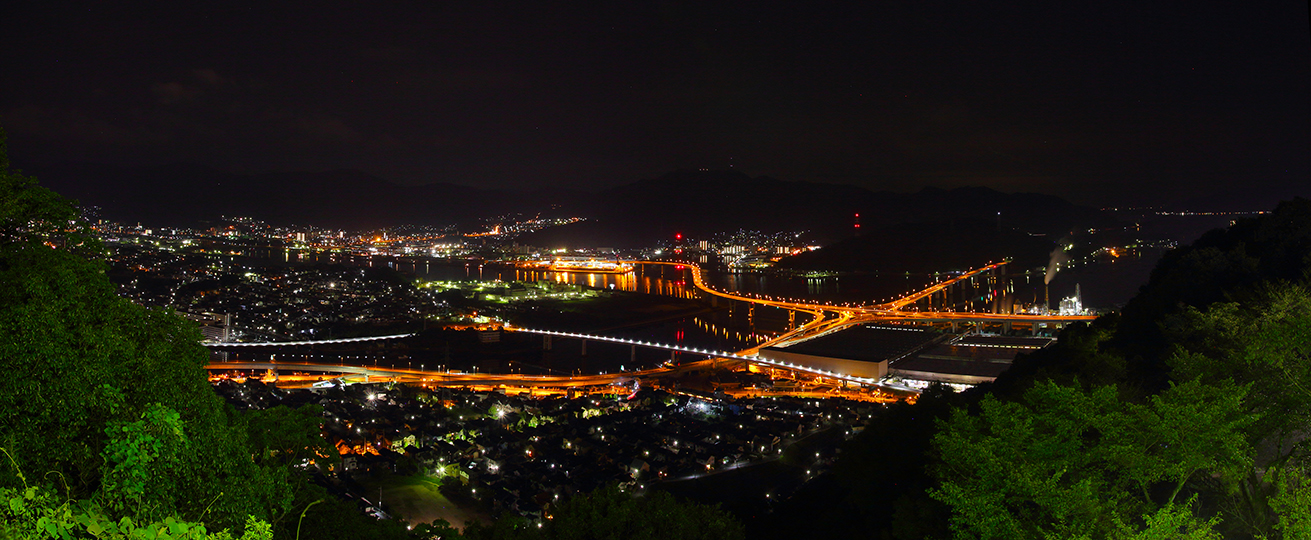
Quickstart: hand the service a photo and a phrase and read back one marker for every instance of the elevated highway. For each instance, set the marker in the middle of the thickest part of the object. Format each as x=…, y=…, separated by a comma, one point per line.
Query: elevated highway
x=833, y=316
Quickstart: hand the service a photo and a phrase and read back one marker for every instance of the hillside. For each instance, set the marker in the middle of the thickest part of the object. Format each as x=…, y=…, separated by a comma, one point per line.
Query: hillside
x=954, y=245
x=695, y=203
x=700, y=203
x=184, y=195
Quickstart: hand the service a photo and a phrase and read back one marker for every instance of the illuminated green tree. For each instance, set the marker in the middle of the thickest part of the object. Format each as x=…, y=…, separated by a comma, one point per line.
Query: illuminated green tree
x=1265, y=342
x=104, y=395
x=1070, y=463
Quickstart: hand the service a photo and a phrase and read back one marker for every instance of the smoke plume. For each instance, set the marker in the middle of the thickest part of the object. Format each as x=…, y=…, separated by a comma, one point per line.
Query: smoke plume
x=1058, y=257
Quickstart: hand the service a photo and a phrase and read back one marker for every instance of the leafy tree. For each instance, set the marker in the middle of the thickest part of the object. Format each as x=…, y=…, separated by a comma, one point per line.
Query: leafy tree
x=38, y=513
x=1223, y=265
x=1231, y=311
x=1263, y=341
x=78, y=360
x=1292, y=502
x=1070, y=463
x=1172, y=522
x=285, y=436
x=136, y=473
x=1224, y=317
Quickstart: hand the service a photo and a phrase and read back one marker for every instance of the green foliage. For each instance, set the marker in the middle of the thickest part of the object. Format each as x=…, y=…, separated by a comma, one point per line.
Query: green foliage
x=1292, y=502
x=1070, y=463
x=333, y=518
x=285, y=436
x=93, y=381
x=1224, y=265
x=137, y=460
x=113, y=398
x=34, y=513
x=31, y=213
x=1262, y=340
x=1172, y=522
x=1201, y=389
x=1265, y=341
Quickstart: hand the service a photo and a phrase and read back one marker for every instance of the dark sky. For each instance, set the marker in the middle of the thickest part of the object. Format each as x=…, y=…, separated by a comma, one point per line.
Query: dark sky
x=1103, y=102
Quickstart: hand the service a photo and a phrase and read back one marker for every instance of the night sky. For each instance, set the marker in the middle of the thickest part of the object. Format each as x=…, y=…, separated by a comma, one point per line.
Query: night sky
x=1109, y=102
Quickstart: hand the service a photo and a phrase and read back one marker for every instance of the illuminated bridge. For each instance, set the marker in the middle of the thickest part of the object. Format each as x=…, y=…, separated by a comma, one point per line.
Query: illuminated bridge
x=444, y=377
x=711, y=354
x=311, y=343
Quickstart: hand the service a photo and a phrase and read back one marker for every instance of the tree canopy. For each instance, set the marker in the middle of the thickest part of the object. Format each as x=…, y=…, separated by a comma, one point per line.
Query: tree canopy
x=106, y=396
x=1070, y=463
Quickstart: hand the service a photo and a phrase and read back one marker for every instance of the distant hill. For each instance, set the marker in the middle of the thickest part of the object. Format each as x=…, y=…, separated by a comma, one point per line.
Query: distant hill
x=694, y=203
x=928, y=247
x=184, y=195
x=699, y=203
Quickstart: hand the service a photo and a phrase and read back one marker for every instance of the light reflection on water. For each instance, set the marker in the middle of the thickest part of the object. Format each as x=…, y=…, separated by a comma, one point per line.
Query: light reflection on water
x=732, y=325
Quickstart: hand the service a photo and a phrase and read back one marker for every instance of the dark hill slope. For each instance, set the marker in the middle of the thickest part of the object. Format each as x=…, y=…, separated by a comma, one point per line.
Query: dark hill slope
x=696, y=203
x=183, y=195
x=955, y=245
x=699, y=203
